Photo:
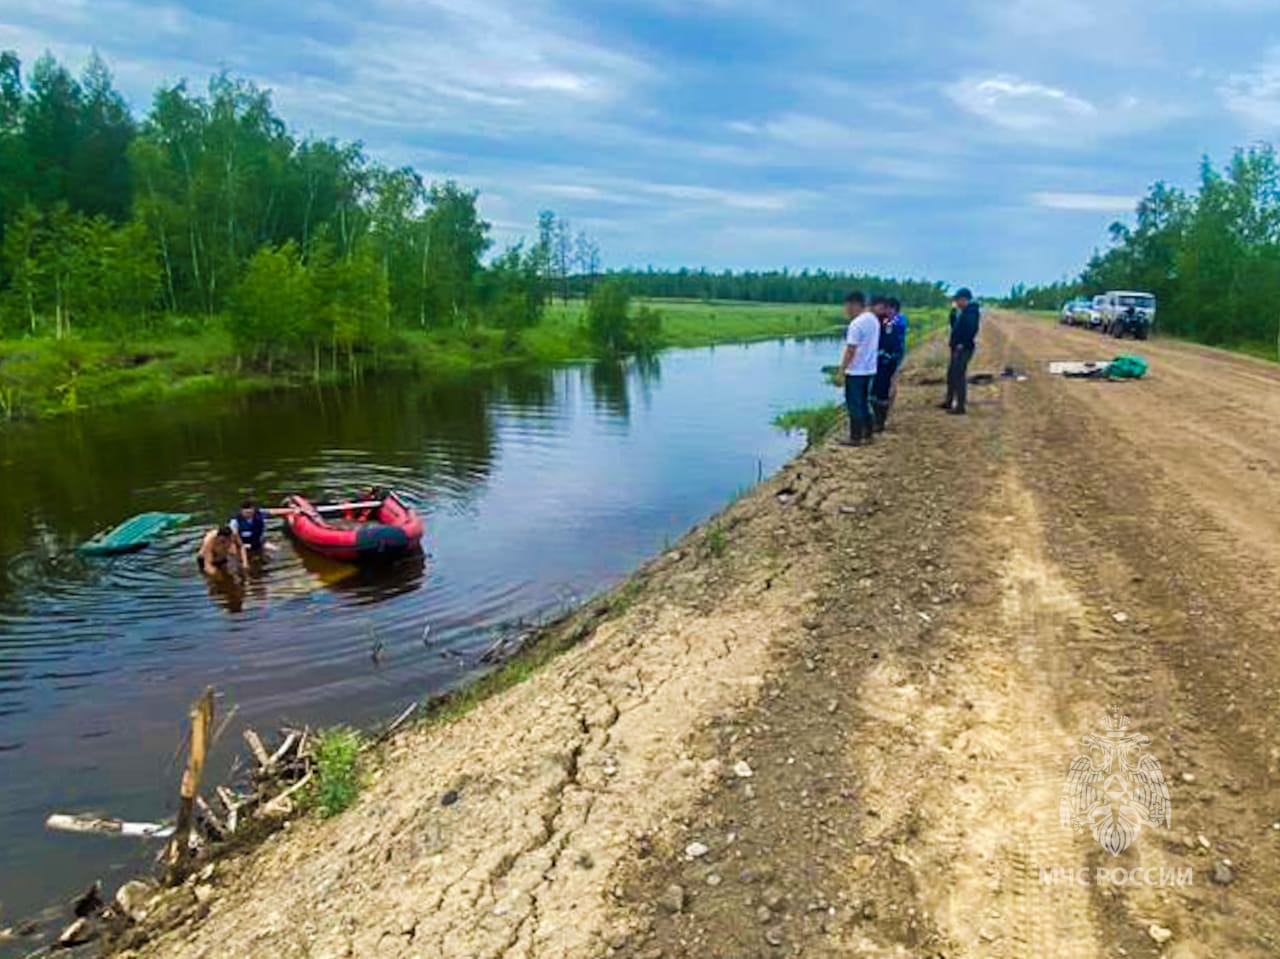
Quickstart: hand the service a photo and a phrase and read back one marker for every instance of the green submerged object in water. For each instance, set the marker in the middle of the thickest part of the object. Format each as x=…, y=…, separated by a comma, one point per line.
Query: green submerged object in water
x=131, y=535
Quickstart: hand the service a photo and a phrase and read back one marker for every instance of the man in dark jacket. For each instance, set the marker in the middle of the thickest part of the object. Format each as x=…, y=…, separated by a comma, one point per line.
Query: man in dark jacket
x=893, y=347
x=965, y=318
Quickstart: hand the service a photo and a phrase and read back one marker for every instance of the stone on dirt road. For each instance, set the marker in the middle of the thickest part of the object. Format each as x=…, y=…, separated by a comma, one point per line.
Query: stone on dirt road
x=673, y=899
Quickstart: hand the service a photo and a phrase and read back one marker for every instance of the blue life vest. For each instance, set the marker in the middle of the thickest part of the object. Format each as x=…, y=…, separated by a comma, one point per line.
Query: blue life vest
x=893, y=339
x=251, y=530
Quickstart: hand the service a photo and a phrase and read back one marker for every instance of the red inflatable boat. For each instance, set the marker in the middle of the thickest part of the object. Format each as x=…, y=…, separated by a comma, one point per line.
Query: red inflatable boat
x=382, y=527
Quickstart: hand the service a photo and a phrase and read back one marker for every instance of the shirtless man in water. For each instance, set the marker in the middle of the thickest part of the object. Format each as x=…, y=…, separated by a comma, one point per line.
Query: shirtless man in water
x=218, y=551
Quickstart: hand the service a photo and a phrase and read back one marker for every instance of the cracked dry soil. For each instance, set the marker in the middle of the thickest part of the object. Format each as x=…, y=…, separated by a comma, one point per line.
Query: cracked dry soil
x=842, y=726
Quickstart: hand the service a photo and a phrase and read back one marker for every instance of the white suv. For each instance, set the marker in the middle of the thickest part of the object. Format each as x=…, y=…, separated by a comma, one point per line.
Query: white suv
x=1127, y=311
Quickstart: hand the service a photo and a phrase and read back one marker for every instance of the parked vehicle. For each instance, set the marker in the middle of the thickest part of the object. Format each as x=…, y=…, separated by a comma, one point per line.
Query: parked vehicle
x=1076, y=312
x=1095, y=312
x=1126, y=312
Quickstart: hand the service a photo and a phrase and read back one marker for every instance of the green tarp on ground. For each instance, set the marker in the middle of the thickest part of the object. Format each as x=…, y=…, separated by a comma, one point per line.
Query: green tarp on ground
x=1127, y=367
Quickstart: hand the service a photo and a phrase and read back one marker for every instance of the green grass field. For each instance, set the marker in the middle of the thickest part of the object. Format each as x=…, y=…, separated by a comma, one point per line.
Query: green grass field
x=702, y=322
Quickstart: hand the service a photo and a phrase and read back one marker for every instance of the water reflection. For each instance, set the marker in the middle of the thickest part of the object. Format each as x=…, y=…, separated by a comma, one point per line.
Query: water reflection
x=609, y=388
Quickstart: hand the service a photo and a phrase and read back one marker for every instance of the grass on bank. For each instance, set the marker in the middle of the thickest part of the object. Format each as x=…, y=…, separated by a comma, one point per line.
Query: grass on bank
x=816, y=422
x=337, y=771
x=688, y=323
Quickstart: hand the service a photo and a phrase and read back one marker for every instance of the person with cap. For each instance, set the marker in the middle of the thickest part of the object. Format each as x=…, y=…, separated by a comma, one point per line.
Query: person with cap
x=965, y=319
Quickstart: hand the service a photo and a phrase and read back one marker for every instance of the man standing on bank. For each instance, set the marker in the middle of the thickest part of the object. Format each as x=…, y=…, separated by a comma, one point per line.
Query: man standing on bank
x=858, y=367
x=965, y=318
x=893, y=347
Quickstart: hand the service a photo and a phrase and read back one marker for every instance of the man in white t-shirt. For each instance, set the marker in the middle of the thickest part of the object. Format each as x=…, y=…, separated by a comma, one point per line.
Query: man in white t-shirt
x=858, y=367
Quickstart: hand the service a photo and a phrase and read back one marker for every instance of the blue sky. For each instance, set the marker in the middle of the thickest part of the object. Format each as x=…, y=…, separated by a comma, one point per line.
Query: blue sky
x=979, y=143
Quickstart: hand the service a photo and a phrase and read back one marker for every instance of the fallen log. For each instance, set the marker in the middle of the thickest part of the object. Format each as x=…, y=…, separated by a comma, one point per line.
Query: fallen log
x=70, y=822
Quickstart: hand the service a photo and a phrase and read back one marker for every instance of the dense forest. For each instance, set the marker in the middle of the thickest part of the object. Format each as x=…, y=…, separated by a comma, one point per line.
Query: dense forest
x=209, y=214
x=1211, y=256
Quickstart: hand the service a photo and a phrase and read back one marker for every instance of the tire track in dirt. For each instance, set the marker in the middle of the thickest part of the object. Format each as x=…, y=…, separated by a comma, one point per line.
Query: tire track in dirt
x=1181, y=640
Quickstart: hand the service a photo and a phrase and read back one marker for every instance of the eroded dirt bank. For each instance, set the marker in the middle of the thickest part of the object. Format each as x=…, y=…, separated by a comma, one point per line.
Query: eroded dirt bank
x=837, y=721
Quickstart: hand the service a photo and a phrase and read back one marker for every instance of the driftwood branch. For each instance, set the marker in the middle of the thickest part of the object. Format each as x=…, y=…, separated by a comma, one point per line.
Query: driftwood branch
x=255, y=746
x=290, y=741
x=212, y=822
x=281, y=805
x=395, y=724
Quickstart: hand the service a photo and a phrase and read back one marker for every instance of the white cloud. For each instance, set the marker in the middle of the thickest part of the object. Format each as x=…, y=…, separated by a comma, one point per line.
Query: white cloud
x=589, y=186
x=1254, y=96
x=1019, y=105
x=812, y=132
x=766, y=200
x=1040, y=114
x=1085, y=202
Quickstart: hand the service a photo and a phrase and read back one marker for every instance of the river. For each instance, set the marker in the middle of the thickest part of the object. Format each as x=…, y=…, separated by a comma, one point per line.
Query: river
x=539, y=488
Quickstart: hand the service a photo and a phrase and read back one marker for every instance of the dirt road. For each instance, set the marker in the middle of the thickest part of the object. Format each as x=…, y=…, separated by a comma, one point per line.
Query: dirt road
x=838, y=720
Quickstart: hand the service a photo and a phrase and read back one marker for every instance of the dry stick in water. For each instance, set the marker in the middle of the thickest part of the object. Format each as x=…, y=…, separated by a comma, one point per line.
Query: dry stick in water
x=283, y=751
x=255, y=746
x=201, y=727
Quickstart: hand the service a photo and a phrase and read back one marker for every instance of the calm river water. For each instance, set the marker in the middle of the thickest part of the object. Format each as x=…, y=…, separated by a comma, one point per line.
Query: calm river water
x=539, y=488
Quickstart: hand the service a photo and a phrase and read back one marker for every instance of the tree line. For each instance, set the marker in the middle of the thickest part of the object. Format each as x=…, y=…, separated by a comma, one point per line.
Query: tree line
x=777, y=286
x=209, y=208
x=1210, y=255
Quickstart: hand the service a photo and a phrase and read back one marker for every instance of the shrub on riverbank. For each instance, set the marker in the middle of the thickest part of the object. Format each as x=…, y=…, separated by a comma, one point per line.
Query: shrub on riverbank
x=615, y=327
x=337, y=782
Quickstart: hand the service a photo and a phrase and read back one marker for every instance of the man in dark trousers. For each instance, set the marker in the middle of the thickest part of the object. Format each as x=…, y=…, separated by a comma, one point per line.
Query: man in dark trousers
x=893, y=347
x=965, y=318
x=858, y=367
